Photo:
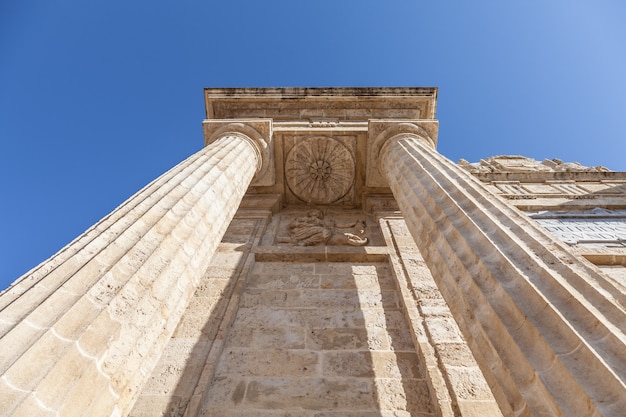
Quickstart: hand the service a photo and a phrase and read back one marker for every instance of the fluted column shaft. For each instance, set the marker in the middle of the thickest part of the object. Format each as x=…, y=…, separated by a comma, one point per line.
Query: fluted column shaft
x=80, y=333
x=546, y=328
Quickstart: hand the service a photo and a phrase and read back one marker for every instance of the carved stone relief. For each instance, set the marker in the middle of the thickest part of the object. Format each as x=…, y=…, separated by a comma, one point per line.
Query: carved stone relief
x=313, y=229
x=319, y=170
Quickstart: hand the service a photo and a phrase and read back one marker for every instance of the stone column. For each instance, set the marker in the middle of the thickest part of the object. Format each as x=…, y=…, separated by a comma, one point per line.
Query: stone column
x=545, y=327
x=81, y=332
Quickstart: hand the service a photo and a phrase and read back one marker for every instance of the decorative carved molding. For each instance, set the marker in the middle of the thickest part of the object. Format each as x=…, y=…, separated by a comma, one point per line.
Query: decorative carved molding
x=519, y=197
x=345, y=104
x=514, y=163
x=319, y=170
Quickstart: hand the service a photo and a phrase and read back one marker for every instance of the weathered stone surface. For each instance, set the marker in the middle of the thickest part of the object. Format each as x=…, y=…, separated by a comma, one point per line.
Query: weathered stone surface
x=99, y=329
x=431, y=326
x=305, y=104
x=186, y=367
x=320, y=170
x=516, y=294
x=467, y=309
x=507, y=163
x=315, y=347
x=381, y=364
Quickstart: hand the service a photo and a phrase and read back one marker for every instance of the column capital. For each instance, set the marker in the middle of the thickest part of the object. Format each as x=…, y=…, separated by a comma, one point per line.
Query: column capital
x=382, y=132
x=258, y=132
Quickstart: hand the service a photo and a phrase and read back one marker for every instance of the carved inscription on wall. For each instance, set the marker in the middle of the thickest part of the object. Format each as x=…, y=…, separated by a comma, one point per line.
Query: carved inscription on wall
x=597, y=227
x=319, y=170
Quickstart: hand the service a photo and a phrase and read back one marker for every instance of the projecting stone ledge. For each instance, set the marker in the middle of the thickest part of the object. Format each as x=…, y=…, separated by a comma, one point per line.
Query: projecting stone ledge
x=339, y=104
x=510, y=163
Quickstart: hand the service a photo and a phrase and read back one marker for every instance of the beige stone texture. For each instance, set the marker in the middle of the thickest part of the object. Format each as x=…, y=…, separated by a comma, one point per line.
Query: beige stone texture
x=320, y=259
x=617, y=274
x=314, y=336
x=95, y=317
x=321, y=104
x=442, y=349
x=513, y=290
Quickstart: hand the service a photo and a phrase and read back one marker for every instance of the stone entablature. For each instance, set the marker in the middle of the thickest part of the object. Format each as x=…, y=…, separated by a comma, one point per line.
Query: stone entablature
x=516, y=163
x=534, y=186
x=321, y=105
x=322, y=145
x=558, y=188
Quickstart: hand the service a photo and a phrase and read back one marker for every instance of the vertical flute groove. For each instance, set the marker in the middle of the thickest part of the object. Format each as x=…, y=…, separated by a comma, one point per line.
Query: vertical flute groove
x=98, y=313
x=527, y=311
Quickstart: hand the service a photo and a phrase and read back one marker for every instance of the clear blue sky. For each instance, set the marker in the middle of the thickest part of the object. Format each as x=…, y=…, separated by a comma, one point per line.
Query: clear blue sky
x=97, y=98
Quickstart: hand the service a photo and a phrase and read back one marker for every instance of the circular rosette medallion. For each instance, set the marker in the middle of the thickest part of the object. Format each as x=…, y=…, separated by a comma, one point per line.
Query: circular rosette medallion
x=319, y=170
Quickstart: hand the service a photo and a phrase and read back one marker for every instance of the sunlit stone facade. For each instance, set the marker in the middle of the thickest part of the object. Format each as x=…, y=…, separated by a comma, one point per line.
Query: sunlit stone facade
x=320, y=258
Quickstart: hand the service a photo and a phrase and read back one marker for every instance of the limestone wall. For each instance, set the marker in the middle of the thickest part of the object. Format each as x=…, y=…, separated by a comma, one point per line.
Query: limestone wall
x=186, y=367
x=296, y=333
x=319, y=339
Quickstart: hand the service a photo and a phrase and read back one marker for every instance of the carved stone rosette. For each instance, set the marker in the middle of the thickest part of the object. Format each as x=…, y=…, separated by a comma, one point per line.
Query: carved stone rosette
x=319, y=170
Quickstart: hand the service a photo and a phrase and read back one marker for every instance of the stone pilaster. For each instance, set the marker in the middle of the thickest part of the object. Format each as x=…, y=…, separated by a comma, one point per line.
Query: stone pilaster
x=81, y=333
x=545, y=327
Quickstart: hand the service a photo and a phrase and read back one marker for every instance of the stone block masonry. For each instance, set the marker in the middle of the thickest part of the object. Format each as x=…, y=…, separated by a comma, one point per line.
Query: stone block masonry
x=364, y=275
x=319, y=339
x=186, y=367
